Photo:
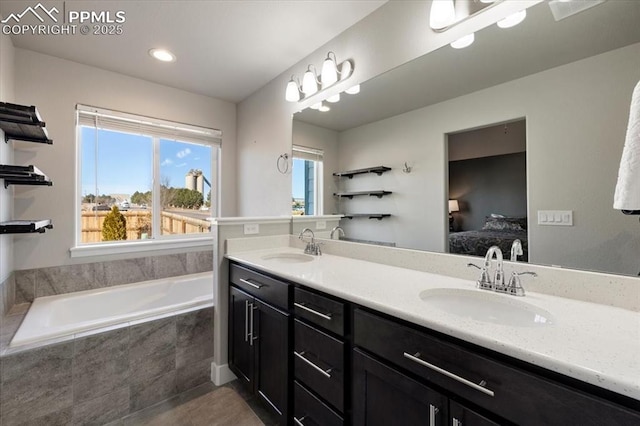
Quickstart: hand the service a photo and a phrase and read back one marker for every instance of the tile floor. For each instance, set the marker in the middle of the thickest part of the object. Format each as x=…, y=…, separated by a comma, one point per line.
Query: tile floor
x=206, y=405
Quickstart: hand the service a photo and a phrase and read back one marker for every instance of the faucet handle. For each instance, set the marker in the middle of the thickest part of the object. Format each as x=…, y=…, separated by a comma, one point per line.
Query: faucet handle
x=484, y=282
x=515, y=287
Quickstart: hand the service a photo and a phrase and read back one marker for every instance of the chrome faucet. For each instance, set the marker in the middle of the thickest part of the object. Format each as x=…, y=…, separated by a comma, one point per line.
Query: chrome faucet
x=516, y=250
x=340, y=231
x=485, y=281
x=515, y=287
x=312, y=247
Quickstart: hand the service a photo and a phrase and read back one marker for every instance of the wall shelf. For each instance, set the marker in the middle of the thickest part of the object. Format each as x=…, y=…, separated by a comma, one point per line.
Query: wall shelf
x=23, y=175
x=350, y=195
x=378, y=216
x=22, y=123
x=379, y=170
x=25, y=226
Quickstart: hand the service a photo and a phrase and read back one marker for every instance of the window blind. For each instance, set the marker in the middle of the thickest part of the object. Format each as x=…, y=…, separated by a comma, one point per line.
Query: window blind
x=136, y=124
x=306, y=153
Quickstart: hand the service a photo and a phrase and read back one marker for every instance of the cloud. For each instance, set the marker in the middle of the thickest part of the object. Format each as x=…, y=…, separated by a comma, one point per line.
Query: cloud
x=167, y=162
x=183, y=153
x=181, y=165
x=196, y=158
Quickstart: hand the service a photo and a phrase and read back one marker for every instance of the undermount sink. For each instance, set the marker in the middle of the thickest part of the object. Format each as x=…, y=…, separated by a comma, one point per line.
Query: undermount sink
x=485, y=306
x=288, y=257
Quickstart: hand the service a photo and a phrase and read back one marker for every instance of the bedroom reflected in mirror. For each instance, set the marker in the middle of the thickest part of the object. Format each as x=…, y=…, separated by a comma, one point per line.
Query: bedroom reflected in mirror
x=488, y=189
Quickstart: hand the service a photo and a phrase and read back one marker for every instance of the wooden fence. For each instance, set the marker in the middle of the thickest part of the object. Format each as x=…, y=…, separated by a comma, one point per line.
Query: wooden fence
x=137, y=220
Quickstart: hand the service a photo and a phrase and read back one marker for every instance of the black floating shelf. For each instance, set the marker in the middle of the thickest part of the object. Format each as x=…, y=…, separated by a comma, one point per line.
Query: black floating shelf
x=378, y=216
x=379, y=170
x=22, y=123
x=23, y=175
x=350, y=195
x=25, y=226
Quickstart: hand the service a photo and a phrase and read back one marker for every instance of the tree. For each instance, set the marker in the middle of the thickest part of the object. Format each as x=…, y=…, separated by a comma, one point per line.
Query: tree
x=115, y=226
x=140, y=198
x=208, y=202
x=89, y=198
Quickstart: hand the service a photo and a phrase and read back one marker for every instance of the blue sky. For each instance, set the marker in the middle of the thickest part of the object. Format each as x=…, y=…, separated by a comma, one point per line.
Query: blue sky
x=298, y=178
x=125, y=162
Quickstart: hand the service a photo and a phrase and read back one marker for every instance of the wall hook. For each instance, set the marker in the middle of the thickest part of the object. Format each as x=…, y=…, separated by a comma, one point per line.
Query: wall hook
x=406, y=168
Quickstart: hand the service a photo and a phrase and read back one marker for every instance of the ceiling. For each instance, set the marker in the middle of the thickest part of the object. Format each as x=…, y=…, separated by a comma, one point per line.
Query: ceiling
x=497, y=56
x=224, y=49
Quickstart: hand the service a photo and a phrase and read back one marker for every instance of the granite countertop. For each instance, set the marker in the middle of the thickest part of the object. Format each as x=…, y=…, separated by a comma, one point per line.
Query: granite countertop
x=594, y=343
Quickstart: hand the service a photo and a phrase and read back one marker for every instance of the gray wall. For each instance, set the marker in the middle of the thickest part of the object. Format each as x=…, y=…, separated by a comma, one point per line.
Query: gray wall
x=6, y=157
x=488, y=185
x=55, y=86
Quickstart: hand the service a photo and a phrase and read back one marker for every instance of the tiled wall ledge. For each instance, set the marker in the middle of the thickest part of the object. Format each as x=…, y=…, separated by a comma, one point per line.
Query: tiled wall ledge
x=104, y=377
x=33, y=283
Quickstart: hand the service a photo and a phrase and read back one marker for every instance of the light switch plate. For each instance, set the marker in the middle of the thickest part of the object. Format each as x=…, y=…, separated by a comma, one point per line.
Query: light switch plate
x=251, y=228
x=321, y=224
x=555, y=217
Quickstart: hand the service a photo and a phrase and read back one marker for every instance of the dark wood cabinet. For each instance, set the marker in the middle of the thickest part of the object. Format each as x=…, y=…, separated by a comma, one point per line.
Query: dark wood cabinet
x=259, y=350
x=463, y=416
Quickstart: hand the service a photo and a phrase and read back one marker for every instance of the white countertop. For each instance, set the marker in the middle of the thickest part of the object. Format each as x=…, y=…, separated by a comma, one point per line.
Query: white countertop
x=594, y=343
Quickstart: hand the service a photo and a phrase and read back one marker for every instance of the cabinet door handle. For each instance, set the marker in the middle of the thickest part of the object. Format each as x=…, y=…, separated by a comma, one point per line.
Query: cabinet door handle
x=299, y=421
x=252, y=308
x=326, y=316
x=246, y=320
x=456, y=422
x=433, y=413
x=326, y=373
x=254, y=285
x=449, y=374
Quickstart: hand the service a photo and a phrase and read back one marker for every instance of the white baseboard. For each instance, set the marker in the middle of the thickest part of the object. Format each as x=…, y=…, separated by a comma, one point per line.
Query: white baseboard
x=221, y=374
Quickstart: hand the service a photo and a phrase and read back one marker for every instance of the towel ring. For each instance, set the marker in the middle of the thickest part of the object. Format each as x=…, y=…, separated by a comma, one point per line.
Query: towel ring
x=282, y=163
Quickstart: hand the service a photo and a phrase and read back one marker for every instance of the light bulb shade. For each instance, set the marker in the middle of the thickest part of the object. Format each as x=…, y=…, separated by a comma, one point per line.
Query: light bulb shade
x=463, y=42
x=309, y=83
x=292, y=93
x=487, y=1
x=513, y=19
x=333, y=99
x=316, y=106
x=329, y=74
x=324, y=108
x=443, y=14
x=453, y=206
x=353, y=90
x=346, y=69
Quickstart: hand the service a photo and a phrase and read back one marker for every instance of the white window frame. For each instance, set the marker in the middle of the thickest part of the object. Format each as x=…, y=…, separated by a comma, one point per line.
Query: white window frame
x=156, y=129
x=317, y=155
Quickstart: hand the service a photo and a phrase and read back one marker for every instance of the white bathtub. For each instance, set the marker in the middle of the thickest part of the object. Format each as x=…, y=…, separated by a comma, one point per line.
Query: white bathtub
x=68, y=314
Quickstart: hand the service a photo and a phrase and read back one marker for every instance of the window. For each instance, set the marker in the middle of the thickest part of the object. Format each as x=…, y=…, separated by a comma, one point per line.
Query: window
x=307, y=181
x=162, y=178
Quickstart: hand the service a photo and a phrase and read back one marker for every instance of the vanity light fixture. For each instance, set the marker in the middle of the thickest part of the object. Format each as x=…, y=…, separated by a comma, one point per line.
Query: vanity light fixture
x=324, y=108
x=513, y=19
x=162, y=55
x=463, y=42
x=353, y=90
x=332, y=73
x=443, y=14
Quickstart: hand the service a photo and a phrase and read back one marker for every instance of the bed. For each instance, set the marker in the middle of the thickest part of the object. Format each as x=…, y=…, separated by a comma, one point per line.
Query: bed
x=497, y=231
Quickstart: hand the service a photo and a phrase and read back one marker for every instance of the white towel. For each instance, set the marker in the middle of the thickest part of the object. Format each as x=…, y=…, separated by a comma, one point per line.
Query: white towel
x=627, y=196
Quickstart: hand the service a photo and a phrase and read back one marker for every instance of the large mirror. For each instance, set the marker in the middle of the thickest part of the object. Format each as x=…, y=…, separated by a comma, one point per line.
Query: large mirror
x=547, y=100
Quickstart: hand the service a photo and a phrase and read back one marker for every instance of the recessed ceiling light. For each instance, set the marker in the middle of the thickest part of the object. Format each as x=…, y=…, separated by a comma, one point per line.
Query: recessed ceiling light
x=162, y=55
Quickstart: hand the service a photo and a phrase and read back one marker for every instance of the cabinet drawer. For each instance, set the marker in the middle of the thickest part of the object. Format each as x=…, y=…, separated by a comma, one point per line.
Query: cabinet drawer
x=320, y=310
x=319, y=363
x=310, y=411
x=510, y=392
x=261, y=286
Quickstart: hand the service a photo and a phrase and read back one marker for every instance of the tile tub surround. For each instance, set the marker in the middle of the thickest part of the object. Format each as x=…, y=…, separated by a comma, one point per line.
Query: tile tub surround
x=594, y=343
x=33, y=283
x=106, y=376
x=7, y=295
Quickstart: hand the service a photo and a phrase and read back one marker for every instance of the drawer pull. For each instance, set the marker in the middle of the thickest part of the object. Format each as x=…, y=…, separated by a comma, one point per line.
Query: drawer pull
x=299, y=421
x=320, y=314
x=326, y=373
x=415, y=358
x=433, y=412
x=246, y=320
x=254, y=285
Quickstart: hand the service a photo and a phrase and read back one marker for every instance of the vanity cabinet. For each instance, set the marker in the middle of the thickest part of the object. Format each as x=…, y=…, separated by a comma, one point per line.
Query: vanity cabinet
x=259, y=337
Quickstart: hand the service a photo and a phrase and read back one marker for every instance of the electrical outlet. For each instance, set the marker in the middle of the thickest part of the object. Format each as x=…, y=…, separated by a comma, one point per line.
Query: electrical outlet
x=555, y=217
x=321, y=224
x=251, y=228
